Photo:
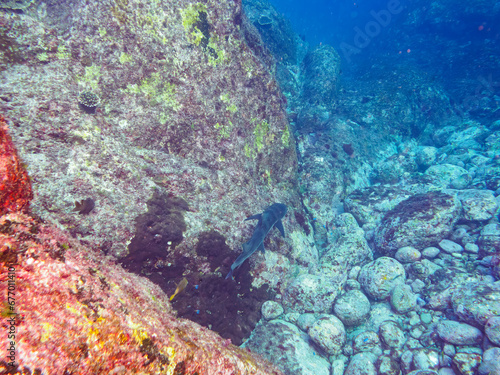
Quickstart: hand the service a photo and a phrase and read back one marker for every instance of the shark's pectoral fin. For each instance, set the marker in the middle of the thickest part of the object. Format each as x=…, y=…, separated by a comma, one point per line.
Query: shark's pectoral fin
x=261, y=248
x=279, y=225
x=254, y=217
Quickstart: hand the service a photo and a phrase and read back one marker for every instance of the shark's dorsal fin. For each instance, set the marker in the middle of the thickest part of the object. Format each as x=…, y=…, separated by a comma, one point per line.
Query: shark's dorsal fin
x=254, y=217
x=279, y=225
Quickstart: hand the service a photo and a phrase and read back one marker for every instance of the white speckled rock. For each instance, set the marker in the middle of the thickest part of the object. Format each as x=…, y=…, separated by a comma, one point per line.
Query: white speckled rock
x=443, y=174
x=425, y=359
x=310, y=293
x=365, y=341
x=467, y=363
x=425, y=156
x=392, y=335
x=430, y=252
x=329, y=334
x=352, y=307
x=417, y=286
x=338, y=367
x=492, y=329
x=457, y=333
x=450, y=247
x=407, y=254
x=478, y=205
x=271, y=310
x=403, y=299
x=379, y=277
x=288, y=347
x=306, y=321
x=361, y=363
x=387, y=365
x=476, y=302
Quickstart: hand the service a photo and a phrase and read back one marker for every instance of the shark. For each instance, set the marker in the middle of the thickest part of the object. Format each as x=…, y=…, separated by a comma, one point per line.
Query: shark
x=271, y=217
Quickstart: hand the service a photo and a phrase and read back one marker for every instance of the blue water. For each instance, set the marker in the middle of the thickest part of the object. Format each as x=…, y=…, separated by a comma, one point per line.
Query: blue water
x=456, y=43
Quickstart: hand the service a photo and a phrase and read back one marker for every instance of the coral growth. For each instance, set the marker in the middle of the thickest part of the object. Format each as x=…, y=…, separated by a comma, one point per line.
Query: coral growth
x=15, y=188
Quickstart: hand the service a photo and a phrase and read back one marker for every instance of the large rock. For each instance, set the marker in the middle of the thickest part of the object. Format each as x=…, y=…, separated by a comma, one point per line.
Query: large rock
x=165, y=118
x=187, y=107
x=489, y=240
x=80, y=312
x=476, y=302
x=288, y=347
x=457, y=333
x=369, y=204
x=347, y=247
x=329, y=334
x=352, y=307
x=378, y=278
x=478, y=205
x=419, y=221
x=321, y=75
x=310, y=293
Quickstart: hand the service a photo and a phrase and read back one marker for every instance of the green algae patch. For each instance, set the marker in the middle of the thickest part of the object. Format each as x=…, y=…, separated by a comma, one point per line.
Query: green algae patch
x=156, y=90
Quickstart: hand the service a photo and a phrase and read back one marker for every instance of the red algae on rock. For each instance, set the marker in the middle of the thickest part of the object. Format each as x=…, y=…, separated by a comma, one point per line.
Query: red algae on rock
x=76, y=312
x=15, y=189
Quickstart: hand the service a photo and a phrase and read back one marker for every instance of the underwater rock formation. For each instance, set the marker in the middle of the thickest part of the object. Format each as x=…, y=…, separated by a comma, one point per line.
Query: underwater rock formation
x=74, y=311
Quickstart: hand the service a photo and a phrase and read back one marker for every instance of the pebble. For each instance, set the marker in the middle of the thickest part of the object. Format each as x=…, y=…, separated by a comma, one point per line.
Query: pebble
x=417, y=331
x=446, y=371
x=425, y=359
x=392, y=335
x=458, y=234
x=492, y=329
x=450, y=247
x=352, y=307
x=387, y=365
x=414, y=319
x=366, y=341
x=491, y=362
x=417, y=286
x=467, y=363
x=445, y=361
x=430, y=252
x=361, y=363
x=407, y=254
x=402, y=299
x=471, y=248
x=338, y=366
x=426, y=318
x=306, y=321
x=457, y=333
x=329, y=334
x=379, y=277
x=449, y=350
x=271, y=310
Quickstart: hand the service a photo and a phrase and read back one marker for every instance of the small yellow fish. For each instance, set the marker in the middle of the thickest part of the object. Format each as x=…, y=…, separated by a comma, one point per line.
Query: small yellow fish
x=182, y=285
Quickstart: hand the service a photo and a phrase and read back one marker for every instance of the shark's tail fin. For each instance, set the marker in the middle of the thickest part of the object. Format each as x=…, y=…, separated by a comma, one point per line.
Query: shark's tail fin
x=230, y=274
